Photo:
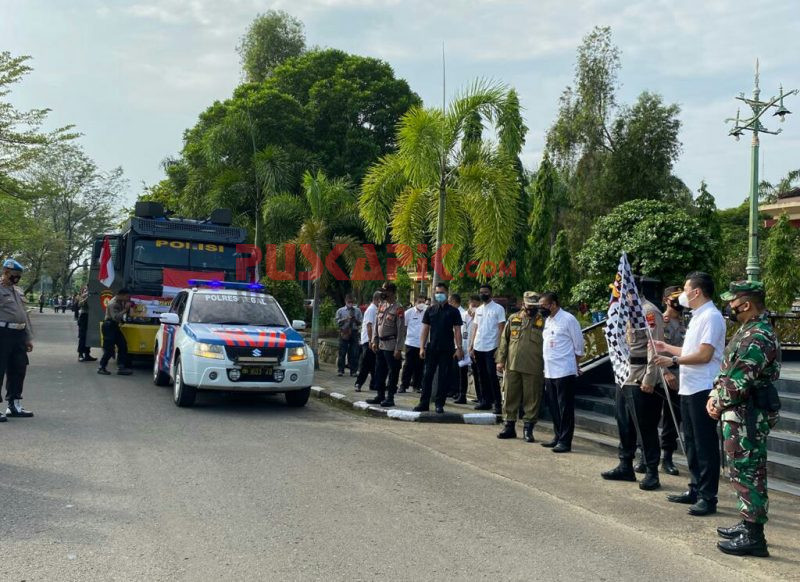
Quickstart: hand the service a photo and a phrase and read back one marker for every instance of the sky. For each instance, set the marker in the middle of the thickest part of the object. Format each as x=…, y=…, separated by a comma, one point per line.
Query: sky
x=132, y=76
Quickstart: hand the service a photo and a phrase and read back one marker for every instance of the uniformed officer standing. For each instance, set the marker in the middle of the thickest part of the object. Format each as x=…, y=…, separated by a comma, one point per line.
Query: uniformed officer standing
x=638, y=403
x=387, y=343
x=84, y=351
x=16, y=339
x=117, y=309
x=744, y=397
x=674, y=333
x=520, y=359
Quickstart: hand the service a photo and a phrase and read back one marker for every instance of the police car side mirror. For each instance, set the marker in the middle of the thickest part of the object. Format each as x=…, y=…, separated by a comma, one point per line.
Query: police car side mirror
x=298, y=324
x=170, y=319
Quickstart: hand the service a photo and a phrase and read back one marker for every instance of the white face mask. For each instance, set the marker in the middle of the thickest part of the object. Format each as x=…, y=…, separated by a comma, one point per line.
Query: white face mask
x=683, y=300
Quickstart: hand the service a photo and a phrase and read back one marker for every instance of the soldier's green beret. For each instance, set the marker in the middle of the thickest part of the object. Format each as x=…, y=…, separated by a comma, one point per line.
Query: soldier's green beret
x=738, y=288
x=530, y=298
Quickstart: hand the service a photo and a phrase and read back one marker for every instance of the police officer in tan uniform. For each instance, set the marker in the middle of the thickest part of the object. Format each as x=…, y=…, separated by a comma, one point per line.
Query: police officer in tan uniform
x=387, y=343
x=520, y=359
x=16, y=339
x=638, y=406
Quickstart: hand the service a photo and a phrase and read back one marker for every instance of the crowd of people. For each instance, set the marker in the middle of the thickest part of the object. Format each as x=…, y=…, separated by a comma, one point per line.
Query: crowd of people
x=683, y=379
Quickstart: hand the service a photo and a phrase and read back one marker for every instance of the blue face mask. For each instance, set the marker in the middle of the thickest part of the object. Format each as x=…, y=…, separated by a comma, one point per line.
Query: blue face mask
x=440, y=297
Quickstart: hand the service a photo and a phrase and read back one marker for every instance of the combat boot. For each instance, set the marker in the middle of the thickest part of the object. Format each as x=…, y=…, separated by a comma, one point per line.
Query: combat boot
x=650, y=481
x=733, y=532
x=509, y=432
x=667, y=464
x=527, y=432
x=751, y=542
x=622, y=472
x=640, y=467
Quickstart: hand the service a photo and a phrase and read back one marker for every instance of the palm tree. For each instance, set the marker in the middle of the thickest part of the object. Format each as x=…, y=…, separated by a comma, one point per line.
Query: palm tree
x=461, y=192
x=320, y=218
x=768, y=192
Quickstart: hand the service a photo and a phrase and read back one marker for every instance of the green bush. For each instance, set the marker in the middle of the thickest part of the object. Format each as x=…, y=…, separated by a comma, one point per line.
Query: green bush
x=327, y=313
x=290, y=296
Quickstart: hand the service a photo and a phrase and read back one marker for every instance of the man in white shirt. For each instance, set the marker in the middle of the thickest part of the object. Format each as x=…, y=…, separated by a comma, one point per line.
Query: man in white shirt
x=699, y=359
x=366, y=364
x=413, y=366
x=563, y=349
x=490, y=318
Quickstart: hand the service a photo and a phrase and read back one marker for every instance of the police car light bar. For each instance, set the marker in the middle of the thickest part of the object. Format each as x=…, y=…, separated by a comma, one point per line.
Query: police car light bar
x=255, y=287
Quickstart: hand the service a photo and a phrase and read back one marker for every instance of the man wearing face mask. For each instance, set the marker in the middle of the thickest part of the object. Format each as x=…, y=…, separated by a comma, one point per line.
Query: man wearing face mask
x=520, y=359
x=441, y=324
x=699, y=359
x=348, y=320
x=745, y=399
x=490, y=318
x=412, y=368
x=16, y=339
x=366, y=363
x=387, y=344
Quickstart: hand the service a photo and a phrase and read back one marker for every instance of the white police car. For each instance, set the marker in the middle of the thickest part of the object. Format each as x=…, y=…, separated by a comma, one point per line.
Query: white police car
x=232, y=337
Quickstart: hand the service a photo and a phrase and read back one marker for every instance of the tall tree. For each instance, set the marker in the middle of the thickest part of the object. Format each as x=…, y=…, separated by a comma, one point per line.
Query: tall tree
x=433, y=189
x=271, y=39
x=541, y=222
x=768, y=192
x=559, y=268
x=781, y=271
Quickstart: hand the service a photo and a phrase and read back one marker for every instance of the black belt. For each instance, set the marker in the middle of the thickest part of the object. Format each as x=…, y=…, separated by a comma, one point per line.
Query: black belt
x=387, y=338
x=638, y=361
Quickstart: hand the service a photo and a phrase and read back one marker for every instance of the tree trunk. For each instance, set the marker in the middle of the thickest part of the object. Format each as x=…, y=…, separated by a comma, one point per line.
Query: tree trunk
x=258, y=237
x=315, y=323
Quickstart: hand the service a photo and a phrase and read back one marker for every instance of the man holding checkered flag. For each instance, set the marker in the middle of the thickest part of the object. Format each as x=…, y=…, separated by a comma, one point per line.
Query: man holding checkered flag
x=632, y=323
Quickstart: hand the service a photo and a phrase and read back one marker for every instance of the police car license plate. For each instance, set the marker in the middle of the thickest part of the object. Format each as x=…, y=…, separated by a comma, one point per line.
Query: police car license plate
x=257, y=371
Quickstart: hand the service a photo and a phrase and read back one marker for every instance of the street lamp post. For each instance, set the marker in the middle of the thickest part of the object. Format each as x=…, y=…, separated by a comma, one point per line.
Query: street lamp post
x=754, y=125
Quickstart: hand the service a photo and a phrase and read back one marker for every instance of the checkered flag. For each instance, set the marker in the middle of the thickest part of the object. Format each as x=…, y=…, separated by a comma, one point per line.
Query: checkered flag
x=624, y=309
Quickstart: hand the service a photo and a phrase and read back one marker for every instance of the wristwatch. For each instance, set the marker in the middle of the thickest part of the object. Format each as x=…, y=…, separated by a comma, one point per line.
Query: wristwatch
x=674, y=360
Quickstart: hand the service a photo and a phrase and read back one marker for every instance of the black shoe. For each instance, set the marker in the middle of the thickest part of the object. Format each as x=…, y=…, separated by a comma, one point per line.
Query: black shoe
x=460, y=400
x=103, y=371
x=650, y=481
x=377, y=400
x=509, y=431
x=527, y=433
x=388, y=403
x=3, y=417
x=340, y=374
x=15, y=410
x=667, y=465
x=622, y=472
x=549, y=444
x=640, y=467
x=561, y=448
x=358, y=387
x=420, y=408
x=440, y=410
x=483, y=406
x=703, y=507
x=733, y=532
x=749, y=543
x=124, y=372
x=87, y=358
x=687, y=498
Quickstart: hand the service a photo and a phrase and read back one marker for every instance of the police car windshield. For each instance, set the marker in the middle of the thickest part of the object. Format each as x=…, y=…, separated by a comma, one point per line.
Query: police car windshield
x=236, y=309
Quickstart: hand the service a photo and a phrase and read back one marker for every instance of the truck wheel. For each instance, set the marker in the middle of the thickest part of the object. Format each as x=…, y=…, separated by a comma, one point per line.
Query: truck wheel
x=298, y=398
x=159, y=378
x=182, y=394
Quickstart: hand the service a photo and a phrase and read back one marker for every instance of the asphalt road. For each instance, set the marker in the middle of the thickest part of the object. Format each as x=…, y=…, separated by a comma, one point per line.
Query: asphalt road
x=111, y=481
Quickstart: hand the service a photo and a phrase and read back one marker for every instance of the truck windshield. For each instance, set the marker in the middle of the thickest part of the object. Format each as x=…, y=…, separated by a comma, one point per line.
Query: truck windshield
x=239, y=309
x=184, y=254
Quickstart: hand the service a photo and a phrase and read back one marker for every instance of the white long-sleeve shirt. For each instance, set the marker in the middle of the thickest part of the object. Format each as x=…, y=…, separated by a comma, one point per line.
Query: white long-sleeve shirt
x=563, y=343
x=413, y=326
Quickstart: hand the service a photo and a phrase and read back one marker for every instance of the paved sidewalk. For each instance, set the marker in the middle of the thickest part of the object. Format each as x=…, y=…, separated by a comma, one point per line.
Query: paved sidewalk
x=341, y=391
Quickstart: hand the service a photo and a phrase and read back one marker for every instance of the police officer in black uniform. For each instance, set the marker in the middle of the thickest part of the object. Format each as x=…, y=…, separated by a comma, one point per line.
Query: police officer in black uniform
x=117, y=309
x=16, y=339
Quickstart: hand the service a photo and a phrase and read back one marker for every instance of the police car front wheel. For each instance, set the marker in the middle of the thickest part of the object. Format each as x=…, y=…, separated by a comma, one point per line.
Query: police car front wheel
x=298, y=398
x=183, y=394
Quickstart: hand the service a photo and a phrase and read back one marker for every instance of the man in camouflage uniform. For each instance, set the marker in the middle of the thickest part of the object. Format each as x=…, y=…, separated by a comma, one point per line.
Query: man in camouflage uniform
x=520, y=359
x=745, y=399
x=387, y=343
x=637, y=402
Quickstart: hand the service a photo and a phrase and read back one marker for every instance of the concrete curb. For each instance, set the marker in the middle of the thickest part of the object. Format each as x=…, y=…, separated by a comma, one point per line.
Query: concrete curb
x=360, y=406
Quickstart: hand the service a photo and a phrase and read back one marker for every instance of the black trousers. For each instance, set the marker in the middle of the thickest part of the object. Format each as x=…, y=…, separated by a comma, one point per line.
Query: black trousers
x=702, y=445
x=387, y=371
x=487, y=370
x=560, y=394
x=461, y=379
x=669, y=434
x=648, y=412
x=412, y=369
x=476, y=379
x=113, y=338
x=13, y=361
x=366, y=366
x=348, y=349
x=438, y=363
x=83, y=326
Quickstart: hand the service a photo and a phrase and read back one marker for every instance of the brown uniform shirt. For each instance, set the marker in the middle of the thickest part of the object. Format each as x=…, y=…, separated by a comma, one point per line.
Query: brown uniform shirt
x=521, y=344
x=12, y=309
x=390, y=327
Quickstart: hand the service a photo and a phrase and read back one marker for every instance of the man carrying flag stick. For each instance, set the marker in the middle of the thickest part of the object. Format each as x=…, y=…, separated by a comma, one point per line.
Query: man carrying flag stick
x=628, y=333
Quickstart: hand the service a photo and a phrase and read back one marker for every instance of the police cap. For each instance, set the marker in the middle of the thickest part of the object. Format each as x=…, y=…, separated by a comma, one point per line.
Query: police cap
x=13, y=265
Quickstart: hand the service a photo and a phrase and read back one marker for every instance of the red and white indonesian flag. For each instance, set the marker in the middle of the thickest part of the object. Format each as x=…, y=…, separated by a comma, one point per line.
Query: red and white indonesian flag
x=176, y=279
x=106, y=276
